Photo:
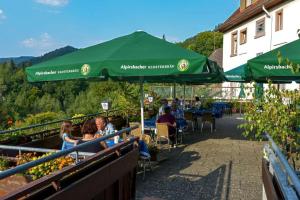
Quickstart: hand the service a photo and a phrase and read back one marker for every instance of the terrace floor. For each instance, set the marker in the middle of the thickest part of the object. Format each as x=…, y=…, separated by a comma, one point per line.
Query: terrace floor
x=221, y=165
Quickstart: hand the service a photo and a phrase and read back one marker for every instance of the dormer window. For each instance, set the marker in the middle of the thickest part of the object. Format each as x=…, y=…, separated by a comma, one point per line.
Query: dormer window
x=246, y=3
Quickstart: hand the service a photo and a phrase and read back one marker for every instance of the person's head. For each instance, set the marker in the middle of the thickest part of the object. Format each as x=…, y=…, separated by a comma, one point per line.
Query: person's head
x=164, y=102
x=66, y=127
x=101, y=123
x=197, y=98
x=167, y=109
x=89, y=127
x=174, y=106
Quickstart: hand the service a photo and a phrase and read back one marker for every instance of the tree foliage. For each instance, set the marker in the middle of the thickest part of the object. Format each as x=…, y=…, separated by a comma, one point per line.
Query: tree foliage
x=20, y=100
x=204, y=43
x=276, y=113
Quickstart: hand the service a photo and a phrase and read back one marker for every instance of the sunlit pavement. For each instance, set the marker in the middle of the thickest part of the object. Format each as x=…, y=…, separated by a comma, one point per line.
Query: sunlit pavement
x=219, y=165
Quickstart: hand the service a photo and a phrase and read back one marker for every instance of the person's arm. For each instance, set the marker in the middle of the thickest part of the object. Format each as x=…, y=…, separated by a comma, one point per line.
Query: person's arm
x=68, y=139
x=102, y=144
x=173, y=122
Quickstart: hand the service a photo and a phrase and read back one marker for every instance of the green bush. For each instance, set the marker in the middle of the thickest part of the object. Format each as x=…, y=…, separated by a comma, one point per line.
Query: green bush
x=274, y=113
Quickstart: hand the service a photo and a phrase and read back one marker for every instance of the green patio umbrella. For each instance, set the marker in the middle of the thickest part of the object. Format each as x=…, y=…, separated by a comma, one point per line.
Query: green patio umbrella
x=236, y=74
x=274, y=67
x=130, y=58
x=138, y=57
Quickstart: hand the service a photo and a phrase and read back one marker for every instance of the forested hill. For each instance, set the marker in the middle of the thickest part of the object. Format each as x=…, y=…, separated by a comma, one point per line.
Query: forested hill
x=17, y=60
x=30, y=60
x=53, y=54
x=204, y=43
x=20, y=100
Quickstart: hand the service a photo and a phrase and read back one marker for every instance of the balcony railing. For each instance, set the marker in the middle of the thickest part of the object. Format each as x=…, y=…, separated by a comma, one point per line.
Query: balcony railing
x=101, y=174
x=40, y=131
x=277, y=173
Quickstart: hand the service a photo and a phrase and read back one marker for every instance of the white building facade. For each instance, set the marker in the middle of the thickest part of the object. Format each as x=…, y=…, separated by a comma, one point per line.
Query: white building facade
x=257, y=27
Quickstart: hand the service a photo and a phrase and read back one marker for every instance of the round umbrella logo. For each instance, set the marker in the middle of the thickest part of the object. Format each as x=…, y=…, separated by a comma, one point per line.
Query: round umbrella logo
x=183, y=65
x=85, y=69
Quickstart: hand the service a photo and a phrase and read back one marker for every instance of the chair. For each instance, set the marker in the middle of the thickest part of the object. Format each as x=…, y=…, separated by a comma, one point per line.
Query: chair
x=147, y=139
x=208, y=118
x=188, y=116
x=162, y=132
x=136, y=132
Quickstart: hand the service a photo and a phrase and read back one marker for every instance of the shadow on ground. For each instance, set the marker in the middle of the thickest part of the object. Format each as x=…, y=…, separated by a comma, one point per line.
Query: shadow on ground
x=219, y=165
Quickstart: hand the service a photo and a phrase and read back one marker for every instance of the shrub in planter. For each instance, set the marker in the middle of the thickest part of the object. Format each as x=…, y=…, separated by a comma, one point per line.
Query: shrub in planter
x=4, y=164
x=44, y=168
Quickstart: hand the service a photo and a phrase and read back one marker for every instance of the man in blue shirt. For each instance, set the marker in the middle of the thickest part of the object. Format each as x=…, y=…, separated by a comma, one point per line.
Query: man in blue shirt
x=104, y=127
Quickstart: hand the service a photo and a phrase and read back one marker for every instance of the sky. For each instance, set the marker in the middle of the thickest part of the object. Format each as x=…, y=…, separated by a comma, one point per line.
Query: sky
x=34, y=27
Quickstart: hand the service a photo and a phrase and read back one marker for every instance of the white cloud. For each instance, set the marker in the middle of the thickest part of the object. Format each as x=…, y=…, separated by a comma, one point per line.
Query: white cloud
x=2, y=16
x=53, y=2
x=41, y=44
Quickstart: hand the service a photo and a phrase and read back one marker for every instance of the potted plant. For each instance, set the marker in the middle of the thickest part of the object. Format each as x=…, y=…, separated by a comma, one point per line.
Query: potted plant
x=153, y=150
x=4, y=164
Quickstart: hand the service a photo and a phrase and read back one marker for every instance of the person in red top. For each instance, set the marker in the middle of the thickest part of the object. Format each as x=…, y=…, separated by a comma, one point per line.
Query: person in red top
x=168, y=118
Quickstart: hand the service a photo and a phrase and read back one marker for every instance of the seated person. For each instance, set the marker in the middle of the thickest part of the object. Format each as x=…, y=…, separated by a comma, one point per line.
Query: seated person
x=197, y=103
x=89, y=130
x=177, y=113
x=168, y=118
x=65, y=133
x=104, y=127
x=164, y=103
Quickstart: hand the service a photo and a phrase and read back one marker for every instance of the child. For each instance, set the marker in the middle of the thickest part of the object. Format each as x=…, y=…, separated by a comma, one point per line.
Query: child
x=65, y=133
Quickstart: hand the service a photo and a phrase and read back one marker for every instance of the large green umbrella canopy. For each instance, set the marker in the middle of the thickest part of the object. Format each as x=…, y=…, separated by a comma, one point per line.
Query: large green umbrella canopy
x=138, y=57
x=135, y=57
x=236, y=74
x=276, y=64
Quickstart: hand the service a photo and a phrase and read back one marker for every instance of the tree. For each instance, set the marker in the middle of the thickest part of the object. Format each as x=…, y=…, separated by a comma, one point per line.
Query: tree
x=204, y=43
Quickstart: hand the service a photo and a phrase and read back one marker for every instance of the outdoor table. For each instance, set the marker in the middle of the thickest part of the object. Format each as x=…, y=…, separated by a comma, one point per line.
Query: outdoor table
x=111, y=142
x=151, y=123
x=181, y=124
x=199, y=112
x=143, y=148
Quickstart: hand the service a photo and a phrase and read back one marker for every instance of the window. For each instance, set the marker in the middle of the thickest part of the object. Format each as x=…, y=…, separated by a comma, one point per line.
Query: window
x=260, y=28
x=243, y=36
x=234, y=43
x=248, y=3
x=279, y=20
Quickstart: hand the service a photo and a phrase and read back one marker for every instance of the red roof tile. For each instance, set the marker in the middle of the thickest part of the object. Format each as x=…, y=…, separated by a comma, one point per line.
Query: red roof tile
x=240, y=16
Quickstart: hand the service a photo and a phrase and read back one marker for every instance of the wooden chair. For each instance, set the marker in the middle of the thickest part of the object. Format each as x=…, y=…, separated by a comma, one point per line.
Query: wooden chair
x=208, y=118
x=162, y=132
x=188, y=116
x=147, y=139
x=136, y=132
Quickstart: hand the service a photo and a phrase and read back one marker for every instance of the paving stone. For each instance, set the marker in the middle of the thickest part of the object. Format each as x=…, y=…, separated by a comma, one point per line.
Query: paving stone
x=221, y=165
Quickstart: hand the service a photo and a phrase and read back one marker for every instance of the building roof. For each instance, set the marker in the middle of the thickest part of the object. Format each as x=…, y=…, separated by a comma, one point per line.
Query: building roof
x=217, y=56
x=240, y=16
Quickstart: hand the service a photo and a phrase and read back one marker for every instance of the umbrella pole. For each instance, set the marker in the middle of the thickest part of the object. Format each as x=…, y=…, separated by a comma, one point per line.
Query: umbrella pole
x=184, y=96
x=174, y=91
x=142, y=105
